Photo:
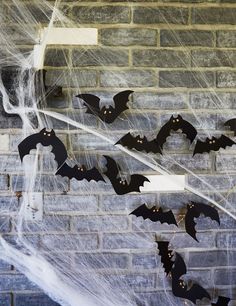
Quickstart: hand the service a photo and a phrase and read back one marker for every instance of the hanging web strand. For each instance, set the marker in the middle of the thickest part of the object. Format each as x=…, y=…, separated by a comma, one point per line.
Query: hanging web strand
x=134, y=155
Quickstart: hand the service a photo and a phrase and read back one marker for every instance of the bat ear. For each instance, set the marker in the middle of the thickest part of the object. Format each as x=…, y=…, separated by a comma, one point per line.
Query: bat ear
x=43, y=130
x=53, y=133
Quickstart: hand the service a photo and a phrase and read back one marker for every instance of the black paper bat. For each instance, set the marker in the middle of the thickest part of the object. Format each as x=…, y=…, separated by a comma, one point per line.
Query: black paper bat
x=106, y=114
x=122, y=186
x=80, y=173
x=180, y=288
x=154, y=214
x=40, y=82
x=166, y=255
x=232, y=124
x=222, y=301
x=194, y=210
x=46, y=139
x=175, y=124
x=139, y=143
x=213, y=144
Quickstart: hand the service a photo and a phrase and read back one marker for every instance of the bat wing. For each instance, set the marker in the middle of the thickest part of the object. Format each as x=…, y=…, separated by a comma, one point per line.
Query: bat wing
x=112, y=168
x=93, y=174
x=136, y=181
x=196, y=292
x=59, y=150
x=154, y=214
x=207, y=210
x=127, y=141
x=91, y=102
x=121, y=99
x=163, y=134
x=66, y=170
x=179, y=267
x=201, y=147
x=224, y=141
x=222, y=301
x=232, y=124
x=28, y=144
x=189, y=130
x=190, y=223
x=166, y=255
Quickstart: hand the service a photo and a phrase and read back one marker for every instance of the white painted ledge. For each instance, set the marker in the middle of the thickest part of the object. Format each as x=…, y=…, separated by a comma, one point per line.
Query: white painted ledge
x=164, y=183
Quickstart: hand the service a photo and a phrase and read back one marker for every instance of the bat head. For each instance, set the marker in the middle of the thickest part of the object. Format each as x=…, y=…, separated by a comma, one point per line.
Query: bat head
x=176, y=122
x=123, y=182
x=81, y=168
x=190, y=205
x=46, y=137
x=107, y=113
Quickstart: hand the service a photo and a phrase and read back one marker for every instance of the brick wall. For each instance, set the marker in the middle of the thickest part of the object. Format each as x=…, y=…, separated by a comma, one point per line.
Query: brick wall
x=172, y=54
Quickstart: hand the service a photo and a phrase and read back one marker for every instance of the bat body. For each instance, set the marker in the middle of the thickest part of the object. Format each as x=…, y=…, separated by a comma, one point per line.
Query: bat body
x=175, y=124
x=122, y=186
x=80, y=173
x=180, y=288
x=222, y=301
x=166, y=256
x=194, y=210
x=46, y=139
x=213, y=144
x=154, y=214
x=106, y=114
x=139, y=143
x=232, y=124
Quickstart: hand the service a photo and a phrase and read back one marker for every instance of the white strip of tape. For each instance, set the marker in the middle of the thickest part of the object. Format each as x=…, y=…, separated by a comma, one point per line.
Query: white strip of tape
x=164, y=183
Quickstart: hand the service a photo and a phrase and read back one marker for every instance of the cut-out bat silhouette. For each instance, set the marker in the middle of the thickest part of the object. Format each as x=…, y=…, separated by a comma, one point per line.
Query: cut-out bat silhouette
x=166, y=255
x=232, y=124
x=46, y=139
x=175, y=124
x=194, y=210
x=122, y=186
x=106, y=114
x=222, y=301
x=80, y=173
x=40, y=82
x=180, y=288
x=154, y=214
x=213, y=144
x=139, y=143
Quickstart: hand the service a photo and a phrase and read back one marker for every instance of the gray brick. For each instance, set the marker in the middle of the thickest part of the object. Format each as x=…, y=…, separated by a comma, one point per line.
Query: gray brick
x=18, y=282
x=9, y=122
x=126, y=203
x=92, y=187
x=177, y=143
x=70, y=242
x=128, y=241
x=58, y=102
x=225, y=163
x=163, y=298
x=135, y=280
x=4, y=182
x=10, y=163
x=183, y=240
x=181, y=38
x=102, y=261
x=149, y=15
x=48, y=224
x=213, y=15
x=56, y=57
x=4, y=224
x=33, y=300
x=100, y=57
x=226, y=240
x=100, y=223
x=157, y=100
x=84, y=78
x=224, y=277
x=226, y=79
x=31, y=239
x=146, y=261
x=5, y=299
x=101, y=14
x=160, y=58
x=18, y=36
x=211, y=58
x=226, y=222
x=218, y=182
x=194, y=79
x=212, y=259
x=208, y=100
x=226, y=39
x=56, y=203
x=128, y=37
x=38, y=14
x=131, y=78
x=4, y=266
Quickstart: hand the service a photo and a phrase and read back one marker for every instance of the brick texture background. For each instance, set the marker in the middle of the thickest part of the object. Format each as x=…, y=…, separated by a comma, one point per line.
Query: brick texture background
x=172, y=54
